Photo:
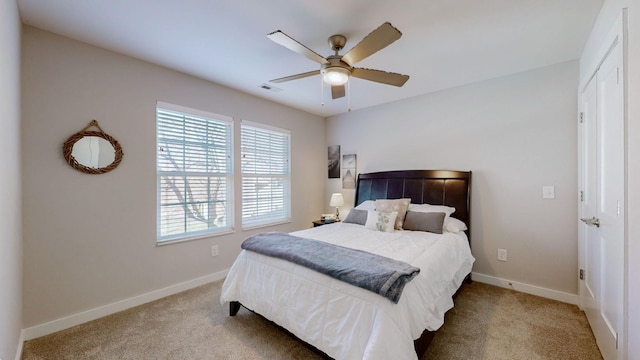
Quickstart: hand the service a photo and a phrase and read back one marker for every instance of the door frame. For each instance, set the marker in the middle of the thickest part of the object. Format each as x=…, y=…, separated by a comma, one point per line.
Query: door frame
x=616, y=36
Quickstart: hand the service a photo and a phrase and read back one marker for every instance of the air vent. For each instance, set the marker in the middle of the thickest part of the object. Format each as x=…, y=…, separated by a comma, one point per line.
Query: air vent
x=270, y=88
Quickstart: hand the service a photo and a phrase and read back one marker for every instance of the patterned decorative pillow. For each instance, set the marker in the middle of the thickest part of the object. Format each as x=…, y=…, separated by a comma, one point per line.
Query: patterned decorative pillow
x=381, y=221
x=398, y=205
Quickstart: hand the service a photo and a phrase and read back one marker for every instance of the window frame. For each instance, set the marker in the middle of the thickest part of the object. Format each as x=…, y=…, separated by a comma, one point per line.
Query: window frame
x=228, y=175
x=248, y=225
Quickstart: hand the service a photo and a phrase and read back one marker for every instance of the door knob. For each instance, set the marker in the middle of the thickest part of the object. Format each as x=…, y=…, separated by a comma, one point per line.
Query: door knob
x=594, y=221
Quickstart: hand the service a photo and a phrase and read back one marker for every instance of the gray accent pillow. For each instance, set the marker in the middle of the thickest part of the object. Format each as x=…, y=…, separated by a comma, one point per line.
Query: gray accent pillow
x=420, y=221
x=356, y=216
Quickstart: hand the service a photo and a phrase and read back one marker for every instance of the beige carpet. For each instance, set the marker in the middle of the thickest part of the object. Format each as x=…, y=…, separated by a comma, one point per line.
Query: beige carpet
x=486, y=323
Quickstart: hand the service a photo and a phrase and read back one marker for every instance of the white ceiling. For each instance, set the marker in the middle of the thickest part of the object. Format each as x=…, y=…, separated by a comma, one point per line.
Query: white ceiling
x=445, y=43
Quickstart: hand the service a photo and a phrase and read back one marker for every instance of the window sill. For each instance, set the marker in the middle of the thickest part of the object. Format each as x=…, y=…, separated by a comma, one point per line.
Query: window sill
x=258, y=226
x=195, y=237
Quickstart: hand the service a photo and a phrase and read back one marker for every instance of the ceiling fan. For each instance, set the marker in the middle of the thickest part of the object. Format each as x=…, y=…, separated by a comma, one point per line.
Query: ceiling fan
x=336, y=69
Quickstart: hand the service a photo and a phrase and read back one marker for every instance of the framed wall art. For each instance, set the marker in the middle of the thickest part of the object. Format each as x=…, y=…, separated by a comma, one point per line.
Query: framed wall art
x=334, y=161
x=349, y=168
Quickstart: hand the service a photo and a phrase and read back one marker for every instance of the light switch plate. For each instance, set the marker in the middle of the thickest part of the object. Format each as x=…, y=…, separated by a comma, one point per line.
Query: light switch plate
x=548, y=192
x=502, y=254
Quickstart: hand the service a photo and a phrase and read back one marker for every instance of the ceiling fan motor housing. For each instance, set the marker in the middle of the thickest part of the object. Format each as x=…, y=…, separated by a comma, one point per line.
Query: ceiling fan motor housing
x=337, y=42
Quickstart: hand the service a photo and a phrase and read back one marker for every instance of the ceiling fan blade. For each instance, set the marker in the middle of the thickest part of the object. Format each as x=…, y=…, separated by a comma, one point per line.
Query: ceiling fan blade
x=378, y=39
x=285, y=40
x=297, y=76
x=337, y=91
x=380, y=76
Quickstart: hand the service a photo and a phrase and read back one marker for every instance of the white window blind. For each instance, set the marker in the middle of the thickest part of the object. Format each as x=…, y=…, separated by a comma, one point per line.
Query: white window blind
x=266, y=175
x=194, y=172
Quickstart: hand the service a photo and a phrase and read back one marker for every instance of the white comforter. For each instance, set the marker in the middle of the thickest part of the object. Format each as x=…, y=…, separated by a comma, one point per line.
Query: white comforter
x=344, y=321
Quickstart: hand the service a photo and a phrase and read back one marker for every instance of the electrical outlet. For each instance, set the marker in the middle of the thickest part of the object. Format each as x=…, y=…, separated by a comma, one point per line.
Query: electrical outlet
x=502, y=255
x=214, y=250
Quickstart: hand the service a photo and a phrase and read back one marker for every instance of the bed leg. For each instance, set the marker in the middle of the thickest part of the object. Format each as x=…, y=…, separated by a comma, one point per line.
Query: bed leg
x=422, y=343
x=234, y=307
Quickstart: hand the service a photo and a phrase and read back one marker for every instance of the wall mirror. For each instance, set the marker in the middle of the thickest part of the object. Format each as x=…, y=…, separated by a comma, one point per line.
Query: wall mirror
x=92, y=152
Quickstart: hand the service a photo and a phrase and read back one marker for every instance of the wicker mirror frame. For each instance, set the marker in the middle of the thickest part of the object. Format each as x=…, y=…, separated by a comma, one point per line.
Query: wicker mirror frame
x=67, y=150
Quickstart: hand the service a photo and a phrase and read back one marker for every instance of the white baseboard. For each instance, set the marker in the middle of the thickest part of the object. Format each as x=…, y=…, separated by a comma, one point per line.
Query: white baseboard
x=96, y=313
x=19, y=348
x=526, y=288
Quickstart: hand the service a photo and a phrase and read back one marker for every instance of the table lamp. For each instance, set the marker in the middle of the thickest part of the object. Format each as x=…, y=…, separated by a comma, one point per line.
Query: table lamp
x=336, y=200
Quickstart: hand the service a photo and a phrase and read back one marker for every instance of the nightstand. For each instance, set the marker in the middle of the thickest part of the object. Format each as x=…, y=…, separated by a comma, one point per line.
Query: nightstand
x=321, y=222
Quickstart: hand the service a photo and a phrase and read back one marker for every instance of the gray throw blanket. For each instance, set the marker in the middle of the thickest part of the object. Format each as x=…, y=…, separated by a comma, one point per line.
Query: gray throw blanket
x=382, y=275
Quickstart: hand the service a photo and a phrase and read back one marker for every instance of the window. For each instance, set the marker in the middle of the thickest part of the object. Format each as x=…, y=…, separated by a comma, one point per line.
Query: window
x=194, y=173
x=265, y=175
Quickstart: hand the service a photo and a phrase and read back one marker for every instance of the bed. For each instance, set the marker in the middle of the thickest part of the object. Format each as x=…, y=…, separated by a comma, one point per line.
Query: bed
x=347, y=322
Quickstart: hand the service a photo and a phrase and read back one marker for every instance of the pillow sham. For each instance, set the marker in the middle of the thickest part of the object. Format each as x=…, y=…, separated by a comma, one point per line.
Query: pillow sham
x=454, y=225
x=432, y=208
x=381, y=221
x=398, y=205
x=367, y=205
x=432, y=222
x=356, y=216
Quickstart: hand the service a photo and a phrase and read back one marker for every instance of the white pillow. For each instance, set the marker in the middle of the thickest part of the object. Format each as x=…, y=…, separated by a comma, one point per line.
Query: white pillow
x=381, y=221
x=367, y=205
x=454, y=225
x=432, y=208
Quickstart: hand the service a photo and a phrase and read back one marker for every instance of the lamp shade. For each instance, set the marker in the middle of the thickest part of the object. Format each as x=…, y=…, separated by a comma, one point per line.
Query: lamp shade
x=336, y=200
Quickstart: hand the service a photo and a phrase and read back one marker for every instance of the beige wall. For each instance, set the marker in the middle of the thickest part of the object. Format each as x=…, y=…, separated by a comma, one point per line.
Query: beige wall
x=10, y=208
x=611, y=10
x=90, y=240
x=517, y=134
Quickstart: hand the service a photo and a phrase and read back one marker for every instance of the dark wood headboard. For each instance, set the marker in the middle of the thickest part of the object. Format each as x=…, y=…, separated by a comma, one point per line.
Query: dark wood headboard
x=436, y=187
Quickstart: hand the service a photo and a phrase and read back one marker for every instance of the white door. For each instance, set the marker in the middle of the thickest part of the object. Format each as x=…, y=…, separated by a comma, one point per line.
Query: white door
x=602, y=232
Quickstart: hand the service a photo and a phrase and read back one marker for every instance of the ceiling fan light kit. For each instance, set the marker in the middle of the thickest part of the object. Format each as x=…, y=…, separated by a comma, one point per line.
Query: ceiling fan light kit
x=335, y=69
x=335, y=76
